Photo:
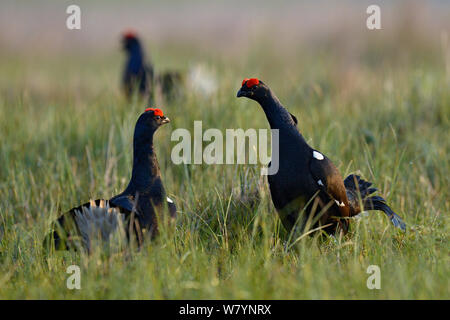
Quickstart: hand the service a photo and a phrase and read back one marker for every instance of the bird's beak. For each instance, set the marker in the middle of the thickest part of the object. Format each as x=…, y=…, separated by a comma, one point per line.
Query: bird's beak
x=240, y=93
x=165, y=120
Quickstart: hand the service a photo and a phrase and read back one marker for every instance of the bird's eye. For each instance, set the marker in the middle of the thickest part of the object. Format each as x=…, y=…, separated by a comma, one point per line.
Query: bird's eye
x=158, y=117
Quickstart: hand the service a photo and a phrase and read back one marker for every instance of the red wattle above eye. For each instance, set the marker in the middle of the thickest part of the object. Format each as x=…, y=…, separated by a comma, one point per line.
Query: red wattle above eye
x=252, y=82
x=156, y=111
x=129, y=34
x=245, y=80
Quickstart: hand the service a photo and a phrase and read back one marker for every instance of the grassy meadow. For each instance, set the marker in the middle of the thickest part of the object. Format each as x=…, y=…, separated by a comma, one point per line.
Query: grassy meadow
x=377, y=104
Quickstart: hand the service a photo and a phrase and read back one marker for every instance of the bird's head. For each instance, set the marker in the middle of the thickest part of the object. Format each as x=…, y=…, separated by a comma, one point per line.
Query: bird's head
x=150, y=121
x=253, y=89
x=129, y=39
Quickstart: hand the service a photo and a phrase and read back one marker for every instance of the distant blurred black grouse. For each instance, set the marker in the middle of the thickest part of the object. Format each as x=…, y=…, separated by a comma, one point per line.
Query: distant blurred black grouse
x=138, y=74
x=307, y=179
x=139, y=204
x=170, y=84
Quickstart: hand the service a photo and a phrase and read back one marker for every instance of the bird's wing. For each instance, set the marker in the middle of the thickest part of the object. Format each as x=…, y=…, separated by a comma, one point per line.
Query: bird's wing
x=328, y=179
x=125, y=201
x=294, y=118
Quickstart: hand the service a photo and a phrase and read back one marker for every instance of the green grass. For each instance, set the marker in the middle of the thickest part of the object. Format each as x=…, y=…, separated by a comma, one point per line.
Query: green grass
x=66, y=138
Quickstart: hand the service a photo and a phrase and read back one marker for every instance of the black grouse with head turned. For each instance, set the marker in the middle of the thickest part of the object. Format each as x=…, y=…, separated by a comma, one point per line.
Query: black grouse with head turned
x=307, y=181
x=141, y=201
x=138, y=75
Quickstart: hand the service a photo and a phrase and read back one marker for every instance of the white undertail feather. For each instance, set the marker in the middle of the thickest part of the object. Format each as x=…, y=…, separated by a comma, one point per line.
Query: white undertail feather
x=340, y=204
x=100, y=224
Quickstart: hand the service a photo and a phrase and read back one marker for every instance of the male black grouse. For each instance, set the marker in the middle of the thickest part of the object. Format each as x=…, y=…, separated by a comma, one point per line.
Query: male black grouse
x=140, y=203
x=307, y=181
x=138, y=74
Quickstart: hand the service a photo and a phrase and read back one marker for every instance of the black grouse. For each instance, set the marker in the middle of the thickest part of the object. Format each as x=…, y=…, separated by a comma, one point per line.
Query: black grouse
x=139, y=204
x=138, y=75
x=307, y=181
x=171, y=84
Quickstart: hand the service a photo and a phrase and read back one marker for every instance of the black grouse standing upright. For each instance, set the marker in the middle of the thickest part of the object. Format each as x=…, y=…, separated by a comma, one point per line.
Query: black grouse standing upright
x=307, y=181
x=143, y=198
x=138, y=75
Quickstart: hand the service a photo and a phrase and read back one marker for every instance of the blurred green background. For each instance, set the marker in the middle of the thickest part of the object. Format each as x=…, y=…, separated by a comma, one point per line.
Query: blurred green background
x=376, y=102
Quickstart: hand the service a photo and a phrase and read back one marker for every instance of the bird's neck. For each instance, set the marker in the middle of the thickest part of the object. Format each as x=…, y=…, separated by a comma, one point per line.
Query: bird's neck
x=277, y=115
x=136, y=52
x=145, y=165
x=280, y=119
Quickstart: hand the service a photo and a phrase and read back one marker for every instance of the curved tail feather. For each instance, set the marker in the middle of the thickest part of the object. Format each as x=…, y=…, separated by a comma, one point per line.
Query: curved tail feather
x=378, y=203
x=357, y=189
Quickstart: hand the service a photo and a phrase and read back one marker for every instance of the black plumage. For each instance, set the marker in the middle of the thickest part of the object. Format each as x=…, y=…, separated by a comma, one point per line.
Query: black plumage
x=171, y=84
x=138, y=73
x=308, y=189
x=140, y=203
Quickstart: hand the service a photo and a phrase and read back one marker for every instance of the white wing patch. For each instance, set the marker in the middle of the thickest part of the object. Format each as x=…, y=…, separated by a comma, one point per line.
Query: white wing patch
x=169, y=200
x=320, y=183
x=318, y=155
